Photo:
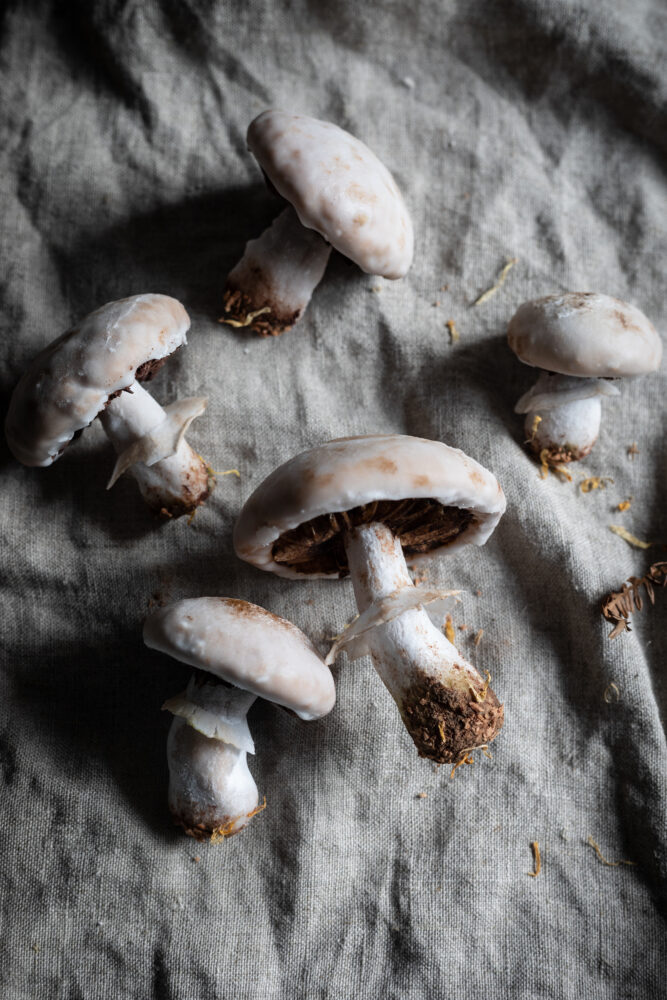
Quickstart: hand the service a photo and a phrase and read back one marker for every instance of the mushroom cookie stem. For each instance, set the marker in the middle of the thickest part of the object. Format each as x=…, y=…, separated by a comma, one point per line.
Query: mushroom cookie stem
x=339, y=194
x=150, y=443
x=241, y=651
x=211, y=791
x=94, y=369
x=445, y=705
x=569, y=411
x=581, y=341
x=271, y=286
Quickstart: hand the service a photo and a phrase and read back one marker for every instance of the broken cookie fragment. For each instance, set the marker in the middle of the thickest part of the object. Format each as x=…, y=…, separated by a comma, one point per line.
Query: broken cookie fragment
x=581, y=341
x=241, y=652
x=97, y=369
x=357, y=507
x=338, y=195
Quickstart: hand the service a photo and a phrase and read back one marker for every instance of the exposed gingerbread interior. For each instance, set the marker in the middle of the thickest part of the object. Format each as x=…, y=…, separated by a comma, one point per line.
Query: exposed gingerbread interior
x=238, y=305
x=144, y=373
x=317, y=546
x=444, y=723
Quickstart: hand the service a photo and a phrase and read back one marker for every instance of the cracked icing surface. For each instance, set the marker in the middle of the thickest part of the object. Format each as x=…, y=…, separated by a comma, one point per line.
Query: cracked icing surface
x=338, y=187
x=71, y=380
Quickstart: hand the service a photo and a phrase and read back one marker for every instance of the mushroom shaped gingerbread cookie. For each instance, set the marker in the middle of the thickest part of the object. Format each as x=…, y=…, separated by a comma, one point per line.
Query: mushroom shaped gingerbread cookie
x=339, y=195
x=358, y=506
x=97, y=369
x=241, y=652
x=581, y=341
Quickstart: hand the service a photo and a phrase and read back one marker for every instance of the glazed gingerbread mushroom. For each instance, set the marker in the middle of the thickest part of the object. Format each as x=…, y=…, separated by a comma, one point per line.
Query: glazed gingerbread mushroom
x=581, y=341
x=339, y=195
x=97, y=369
x=241, y=652
x=358, y=506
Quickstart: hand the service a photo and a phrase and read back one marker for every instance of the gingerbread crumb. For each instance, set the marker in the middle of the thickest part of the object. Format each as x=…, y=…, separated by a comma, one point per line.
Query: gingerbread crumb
x=537, y=858
x=610, y=864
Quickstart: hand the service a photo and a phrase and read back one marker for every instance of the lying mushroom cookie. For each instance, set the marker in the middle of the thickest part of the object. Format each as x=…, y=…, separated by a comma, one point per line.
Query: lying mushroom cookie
x=581, y=340
x=96, y=369
x=242, y=652
x=357, y=506
x=340, y=195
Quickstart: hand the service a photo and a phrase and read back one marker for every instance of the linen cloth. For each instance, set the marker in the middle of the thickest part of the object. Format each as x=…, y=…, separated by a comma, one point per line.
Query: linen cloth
x=517, y=129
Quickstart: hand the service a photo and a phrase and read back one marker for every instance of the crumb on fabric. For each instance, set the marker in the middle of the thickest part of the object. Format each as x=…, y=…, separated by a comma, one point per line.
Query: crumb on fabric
x=537, y=857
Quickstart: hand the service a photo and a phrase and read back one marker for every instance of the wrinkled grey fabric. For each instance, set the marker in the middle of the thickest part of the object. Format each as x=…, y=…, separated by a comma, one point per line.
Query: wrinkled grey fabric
x=529, y=129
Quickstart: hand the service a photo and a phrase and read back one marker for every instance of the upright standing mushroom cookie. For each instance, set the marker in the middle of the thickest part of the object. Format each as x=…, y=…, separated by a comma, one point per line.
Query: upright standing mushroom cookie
x=249, y=652
x=340, y=195
x=357, y=506
x=581, y=340
x=96, y=369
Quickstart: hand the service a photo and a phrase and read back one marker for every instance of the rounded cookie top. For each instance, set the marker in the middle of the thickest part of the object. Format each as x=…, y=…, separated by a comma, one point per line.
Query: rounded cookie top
x=337, y=187
x=585, y=334
x=70, y=381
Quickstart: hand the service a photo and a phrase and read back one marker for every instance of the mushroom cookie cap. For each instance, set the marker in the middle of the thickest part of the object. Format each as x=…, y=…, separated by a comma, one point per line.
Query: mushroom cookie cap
x=68, y=384
x=337, y=187
x=585, y=334
x=248, y=647
x=430, y=495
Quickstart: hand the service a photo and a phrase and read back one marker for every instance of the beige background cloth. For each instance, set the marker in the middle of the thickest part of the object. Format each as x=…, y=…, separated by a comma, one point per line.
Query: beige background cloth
x=532, y=129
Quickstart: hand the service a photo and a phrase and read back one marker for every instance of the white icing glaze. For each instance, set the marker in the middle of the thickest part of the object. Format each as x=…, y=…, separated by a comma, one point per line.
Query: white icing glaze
x=247, y=647
x=69, y=382
x=281, y=268
x=354, y=637
x=409, y=646
x=209, y=781
x=553, y=391
x=337, y=187
x=585, y=334
x=574, y=423
x=216, y=710
x=349, y=472
x=125, y=421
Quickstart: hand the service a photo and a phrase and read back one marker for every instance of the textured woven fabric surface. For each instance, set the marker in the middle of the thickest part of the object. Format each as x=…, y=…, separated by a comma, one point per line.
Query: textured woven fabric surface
x=528, y=129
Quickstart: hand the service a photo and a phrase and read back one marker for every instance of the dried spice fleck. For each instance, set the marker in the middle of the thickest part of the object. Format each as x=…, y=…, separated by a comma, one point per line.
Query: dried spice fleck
x=466, y=756
x=499, y=282
x=537, y=857
x=537, y=420
x=633, y=450
x=422, y=795
x=610, y=864
x=247, y=320
x=227, y=829
x=611, y=693
x=620, y=604
x=547, y=466
x=454, y=335
x=624, y=505
x=481, y=695
x=594, y=483
x=630, y=539
x=449, y=629
x=478, y=636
